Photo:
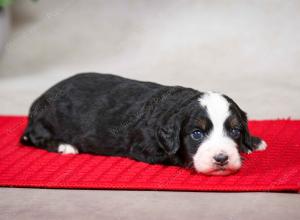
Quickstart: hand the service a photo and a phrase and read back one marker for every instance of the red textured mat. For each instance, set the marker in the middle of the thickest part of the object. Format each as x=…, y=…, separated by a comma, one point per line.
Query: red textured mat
x=276, y=169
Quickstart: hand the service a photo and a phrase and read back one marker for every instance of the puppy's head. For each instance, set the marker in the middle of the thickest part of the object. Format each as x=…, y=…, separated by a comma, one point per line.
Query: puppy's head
x=209, y=135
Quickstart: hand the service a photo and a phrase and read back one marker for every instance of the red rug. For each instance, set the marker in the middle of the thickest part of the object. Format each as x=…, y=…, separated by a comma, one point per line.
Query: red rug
x=276, y=169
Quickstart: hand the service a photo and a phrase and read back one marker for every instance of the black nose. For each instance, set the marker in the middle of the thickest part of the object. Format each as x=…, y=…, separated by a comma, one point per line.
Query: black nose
x=221, y=159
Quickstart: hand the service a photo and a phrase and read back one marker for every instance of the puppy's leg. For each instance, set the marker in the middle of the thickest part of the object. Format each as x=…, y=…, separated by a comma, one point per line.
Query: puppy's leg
x=257, y=144
x=67, y=149
x=261, y=146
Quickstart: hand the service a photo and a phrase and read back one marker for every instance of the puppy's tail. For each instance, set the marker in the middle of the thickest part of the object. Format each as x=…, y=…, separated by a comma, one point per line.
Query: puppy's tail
x=25, y=139
x=38, y=136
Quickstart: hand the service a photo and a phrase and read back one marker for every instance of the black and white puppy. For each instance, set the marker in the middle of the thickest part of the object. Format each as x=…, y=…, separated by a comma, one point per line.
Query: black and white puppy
x=110, y=115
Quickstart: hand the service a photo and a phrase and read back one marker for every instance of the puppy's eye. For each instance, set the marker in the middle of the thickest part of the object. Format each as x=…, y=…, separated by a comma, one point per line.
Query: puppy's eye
x=235, y=133
x=197, y=135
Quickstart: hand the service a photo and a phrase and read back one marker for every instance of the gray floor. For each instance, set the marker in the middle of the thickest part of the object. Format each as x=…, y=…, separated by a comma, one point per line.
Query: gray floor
x=90, y=204
x=249, y=51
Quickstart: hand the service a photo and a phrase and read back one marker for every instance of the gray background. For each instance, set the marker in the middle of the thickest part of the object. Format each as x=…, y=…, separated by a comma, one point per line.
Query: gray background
x=249, y=50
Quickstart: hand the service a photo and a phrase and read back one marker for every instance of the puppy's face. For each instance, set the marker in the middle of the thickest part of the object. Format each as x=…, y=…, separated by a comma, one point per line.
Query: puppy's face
x=212, y=135
x=215, y=136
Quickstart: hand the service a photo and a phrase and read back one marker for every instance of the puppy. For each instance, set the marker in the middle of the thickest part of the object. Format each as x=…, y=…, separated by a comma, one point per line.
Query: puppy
x=105, y=114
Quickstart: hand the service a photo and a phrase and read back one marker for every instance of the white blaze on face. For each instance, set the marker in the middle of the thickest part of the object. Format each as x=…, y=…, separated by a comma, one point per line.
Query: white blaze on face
x=217, y=141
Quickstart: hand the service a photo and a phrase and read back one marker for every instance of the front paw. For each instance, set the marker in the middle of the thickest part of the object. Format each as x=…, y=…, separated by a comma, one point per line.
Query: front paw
x=261, y=146
x=257, y=144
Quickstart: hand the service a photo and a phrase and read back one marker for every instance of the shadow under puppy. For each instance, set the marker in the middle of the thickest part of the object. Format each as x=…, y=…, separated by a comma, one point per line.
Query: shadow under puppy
x=110, y=115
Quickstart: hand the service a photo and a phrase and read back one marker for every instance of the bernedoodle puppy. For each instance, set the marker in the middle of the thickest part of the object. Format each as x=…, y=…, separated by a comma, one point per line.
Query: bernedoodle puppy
x=106, y=114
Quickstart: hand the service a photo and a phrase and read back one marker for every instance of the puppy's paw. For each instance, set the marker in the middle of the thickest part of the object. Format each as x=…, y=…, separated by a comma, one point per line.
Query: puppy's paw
x=249, y=151
x=257, y=144
x=261, y=146
x=67, y=149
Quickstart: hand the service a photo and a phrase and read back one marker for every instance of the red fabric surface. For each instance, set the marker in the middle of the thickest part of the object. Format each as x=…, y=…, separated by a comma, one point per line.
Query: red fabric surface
x=276, y=169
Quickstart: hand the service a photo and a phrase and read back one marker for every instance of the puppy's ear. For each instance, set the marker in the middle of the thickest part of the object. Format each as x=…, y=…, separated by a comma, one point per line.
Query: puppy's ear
x=168, y=135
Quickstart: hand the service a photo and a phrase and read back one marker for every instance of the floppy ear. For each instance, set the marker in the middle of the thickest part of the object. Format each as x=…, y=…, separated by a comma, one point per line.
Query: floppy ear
x=168, y=135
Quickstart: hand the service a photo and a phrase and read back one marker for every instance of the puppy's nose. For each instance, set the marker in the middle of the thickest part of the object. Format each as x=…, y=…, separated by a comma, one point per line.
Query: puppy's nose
x=221, y=159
